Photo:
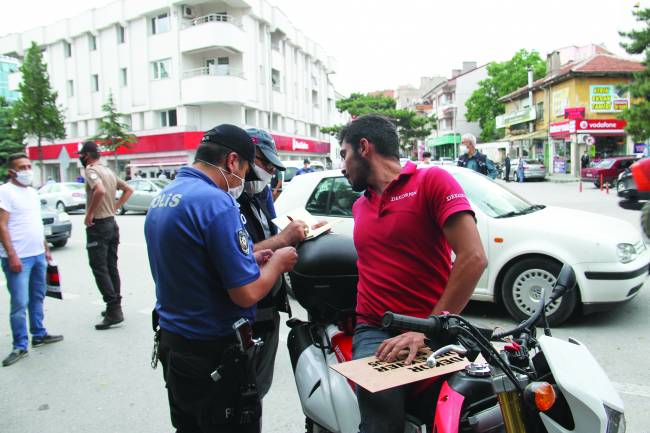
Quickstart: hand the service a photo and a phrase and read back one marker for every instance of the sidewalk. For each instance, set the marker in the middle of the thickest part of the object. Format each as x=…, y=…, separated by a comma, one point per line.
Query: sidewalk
x=561, y=178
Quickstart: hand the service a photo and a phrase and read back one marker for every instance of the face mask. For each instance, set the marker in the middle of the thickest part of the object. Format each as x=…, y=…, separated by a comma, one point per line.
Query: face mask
x=256, y=186
x=236, y=191
x=25, y=177
x=83, y=161
x=463, y=149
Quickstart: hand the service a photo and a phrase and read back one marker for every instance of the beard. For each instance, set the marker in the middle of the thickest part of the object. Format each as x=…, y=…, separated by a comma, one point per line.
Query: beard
x=361, y=169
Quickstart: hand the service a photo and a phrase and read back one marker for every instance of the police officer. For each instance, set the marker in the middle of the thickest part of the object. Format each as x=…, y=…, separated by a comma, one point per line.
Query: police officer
x=256, y=205
x=207, y=277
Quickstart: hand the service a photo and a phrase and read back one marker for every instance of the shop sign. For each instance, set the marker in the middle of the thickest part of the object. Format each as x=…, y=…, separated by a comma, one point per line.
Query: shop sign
x=562, y=128
x=560, y=101
x=574, y=113
x=607, y=99
x=600, y=125
x=519, y=116
x=294, y=144
x=639, y=147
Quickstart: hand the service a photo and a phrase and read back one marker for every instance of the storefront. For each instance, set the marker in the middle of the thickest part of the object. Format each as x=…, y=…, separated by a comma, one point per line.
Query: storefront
x=444, y=146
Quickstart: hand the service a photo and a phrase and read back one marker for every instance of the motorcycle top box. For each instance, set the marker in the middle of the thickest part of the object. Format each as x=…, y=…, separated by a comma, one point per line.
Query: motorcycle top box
x=324, y=281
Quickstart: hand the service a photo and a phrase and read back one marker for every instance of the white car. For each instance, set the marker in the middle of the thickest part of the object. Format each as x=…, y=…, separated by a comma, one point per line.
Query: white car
x=144, y=191
x=526, y=244
x=293, y=166
x=64, y=196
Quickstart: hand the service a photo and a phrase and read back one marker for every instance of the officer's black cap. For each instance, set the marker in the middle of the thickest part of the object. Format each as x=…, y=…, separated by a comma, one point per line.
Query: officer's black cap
x=236, y=139
x=88, y=147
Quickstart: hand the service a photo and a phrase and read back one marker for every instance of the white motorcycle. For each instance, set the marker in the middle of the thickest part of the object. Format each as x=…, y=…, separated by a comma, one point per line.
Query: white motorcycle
x=532, y=385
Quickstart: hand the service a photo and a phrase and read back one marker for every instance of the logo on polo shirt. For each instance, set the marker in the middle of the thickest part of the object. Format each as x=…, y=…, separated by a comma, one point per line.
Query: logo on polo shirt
x=243, y=241
x=403, y=196
x=451, y=197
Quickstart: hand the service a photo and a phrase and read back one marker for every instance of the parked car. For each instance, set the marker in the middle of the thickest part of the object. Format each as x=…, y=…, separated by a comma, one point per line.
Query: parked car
x=446, y=160
x=144, y=191
x=526, y=243
x=627, y=189
x=64, y=196
x=608, y=168
x=533, y=169
x=294, y=166
x=57, y=225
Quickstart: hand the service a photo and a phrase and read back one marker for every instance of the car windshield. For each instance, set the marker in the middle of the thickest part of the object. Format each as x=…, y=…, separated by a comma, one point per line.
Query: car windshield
x=491, y=198
x=160, y=183
x=605, y=163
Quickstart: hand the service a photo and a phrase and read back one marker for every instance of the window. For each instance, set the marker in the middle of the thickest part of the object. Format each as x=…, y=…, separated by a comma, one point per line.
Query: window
x=168, y=118
x=70, y=88
x=540, y=111
x=314, y=98
x=275, y=79
x=319, y=200
x=94, y=83
x=121, y=34
x=160, y=24
x=123, y=77
x=67, y=47
x=333, y=196
x=161, y=69
x=92, y=42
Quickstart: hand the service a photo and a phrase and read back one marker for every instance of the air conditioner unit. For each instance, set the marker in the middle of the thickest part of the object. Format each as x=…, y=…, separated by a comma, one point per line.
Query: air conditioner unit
x=188, y=12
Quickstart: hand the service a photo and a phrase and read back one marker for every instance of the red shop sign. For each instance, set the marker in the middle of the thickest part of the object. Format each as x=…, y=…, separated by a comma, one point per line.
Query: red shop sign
x=574, y=113
x=294, y=144
x=562, y=129
x=601, y=125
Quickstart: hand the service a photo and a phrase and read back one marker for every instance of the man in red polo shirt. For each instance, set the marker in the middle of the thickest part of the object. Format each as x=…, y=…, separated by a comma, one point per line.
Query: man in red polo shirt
x=405, y=226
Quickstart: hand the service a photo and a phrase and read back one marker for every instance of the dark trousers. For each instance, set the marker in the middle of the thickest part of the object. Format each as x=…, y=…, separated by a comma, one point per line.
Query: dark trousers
x=507, y=173
x=102, y=239
x=198, y=404
x=269, y=332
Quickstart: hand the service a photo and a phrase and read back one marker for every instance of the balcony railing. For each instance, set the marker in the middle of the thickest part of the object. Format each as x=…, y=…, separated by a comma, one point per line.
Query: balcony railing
x=214, y=70
x=213, y=18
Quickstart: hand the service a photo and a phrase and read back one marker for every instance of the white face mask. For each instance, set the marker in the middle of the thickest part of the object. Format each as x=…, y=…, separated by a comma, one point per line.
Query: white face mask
x=25, y=177
x=463, y=149
x=236, y=191
x=256, y=186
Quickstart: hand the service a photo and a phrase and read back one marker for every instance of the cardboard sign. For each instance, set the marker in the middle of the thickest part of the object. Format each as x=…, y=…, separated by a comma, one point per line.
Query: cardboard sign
x=375, y=375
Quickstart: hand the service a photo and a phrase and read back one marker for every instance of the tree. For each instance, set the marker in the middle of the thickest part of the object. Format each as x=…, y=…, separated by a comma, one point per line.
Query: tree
x=11, y=140
x=111, y=132
x=36, y=113
x=638, y=115
x=503, y=78
x=410, y=125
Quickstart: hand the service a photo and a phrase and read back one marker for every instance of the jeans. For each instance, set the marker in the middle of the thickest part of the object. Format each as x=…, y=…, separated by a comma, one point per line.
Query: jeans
x=27, y=290
x=102, y=239
x=384, y=411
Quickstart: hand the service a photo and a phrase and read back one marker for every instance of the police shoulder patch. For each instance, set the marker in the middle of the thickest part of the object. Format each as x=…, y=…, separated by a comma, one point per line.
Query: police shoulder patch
x=93, y=176
x=243, y=241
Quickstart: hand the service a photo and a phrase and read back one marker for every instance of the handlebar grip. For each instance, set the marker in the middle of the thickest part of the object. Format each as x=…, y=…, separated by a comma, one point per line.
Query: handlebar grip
x=430, y=326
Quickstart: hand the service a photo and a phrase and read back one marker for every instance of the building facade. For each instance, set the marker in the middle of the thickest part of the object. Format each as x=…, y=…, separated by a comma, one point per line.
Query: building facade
x=575, y=109
x=178, y=68
x=8, y=66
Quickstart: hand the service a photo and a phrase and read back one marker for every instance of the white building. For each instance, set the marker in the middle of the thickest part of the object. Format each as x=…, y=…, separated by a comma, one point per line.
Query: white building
x=448, y=103
x=176, y=68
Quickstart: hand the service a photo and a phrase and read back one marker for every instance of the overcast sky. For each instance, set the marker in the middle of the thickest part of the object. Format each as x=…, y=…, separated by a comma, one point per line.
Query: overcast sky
x=380, y=44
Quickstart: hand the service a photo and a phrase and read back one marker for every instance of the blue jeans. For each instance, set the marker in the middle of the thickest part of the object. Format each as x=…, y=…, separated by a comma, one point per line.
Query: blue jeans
x=384, y=411
x=27, y=290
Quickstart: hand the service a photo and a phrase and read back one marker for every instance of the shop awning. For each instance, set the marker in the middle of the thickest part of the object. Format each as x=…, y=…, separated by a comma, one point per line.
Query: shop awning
x=159, y=161
x=445, y=139
x=528, y=136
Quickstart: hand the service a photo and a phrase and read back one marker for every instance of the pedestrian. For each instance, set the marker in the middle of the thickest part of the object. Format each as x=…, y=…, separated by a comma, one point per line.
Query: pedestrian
x=24, y=255
x=426, y=160
x=207, y=277
x=407, y=222
x=507, y=164
x=256, y=205
x=80, y=179
x=584, y=160
x=520, y=170
x=306, y=168
x=162, y=175
x=470, y=157
x=172, y=175
x=102, y=231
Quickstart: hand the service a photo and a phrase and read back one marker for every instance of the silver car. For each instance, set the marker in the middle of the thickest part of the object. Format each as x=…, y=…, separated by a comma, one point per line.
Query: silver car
x=64, y=196
x=533, y=169
x=144, y=190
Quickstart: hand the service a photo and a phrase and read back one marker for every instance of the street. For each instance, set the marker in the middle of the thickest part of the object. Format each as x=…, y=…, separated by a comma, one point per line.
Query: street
x=102, y=382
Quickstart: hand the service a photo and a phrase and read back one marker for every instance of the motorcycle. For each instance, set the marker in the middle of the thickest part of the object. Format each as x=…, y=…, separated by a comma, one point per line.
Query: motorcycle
x=532, y=384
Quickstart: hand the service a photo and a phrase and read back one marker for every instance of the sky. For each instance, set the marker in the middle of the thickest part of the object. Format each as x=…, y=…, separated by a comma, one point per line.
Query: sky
x=381, y=44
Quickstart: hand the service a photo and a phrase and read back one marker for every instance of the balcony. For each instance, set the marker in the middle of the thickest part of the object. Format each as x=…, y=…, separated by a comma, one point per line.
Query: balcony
x=216, y=83
x=211, y=31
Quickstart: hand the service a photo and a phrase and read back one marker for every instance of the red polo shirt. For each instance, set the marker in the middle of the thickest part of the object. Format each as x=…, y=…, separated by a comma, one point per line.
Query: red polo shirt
x=404, y=259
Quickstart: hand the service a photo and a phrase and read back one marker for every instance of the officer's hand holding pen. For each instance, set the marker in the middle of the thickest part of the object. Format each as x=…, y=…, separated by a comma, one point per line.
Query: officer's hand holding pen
x=295, y=232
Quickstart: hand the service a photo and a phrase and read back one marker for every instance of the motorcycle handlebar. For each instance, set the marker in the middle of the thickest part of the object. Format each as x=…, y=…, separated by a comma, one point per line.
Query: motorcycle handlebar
x=430, y=326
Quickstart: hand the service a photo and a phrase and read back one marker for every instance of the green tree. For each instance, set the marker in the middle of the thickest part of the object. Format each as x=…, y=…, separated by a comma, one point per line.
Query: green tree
x=410, y=125
x=11, y=140
x=36, y=113
x=111, y=132
x=638, y=115
x=503, y=78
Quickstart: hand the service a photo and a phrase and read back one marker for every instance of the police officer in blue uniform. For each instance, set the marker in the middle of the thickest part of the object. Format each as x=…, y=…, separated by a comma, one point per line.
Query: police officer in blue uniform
x=207, y=278
x=256, y=205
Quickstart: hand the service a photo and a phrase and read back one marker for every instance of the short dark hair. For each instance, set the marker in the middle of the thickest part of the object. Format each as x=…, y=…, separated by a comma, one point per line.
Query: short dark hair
x=89, y=144
x=214, y=153
x=378, y=130
x=426, y=155
x=15, y=156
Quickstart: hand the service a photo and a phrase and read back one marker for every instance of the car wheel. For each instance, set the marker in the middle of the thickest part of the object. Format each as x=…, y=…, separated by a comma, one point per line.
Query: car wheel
x=60, y=206
x=522, y=286
x=60, y=244
x=620, y=186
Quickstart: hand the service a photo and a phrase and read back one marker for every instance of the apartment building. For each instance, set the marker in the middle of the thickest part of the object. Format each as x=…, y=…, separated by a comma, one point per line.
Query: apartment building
x=177, y=68
x=8, y=66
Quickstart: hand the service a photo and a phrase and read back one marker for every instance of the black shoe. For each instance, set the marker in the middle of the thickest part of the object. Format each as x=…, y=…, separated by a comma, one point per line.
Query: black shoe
x=15, y=356
x=112, y=316
x=48, y=339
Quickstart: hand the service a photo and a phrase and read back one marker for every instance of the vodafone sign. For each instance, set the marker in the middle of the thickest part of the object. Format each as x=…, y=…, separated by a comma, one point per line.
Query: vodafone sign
x=592, y=126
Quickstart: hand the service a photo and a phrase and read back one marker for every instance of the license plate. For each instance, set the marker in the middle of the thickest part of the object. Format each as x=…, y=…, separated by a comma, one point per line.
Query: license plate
x=48, y=231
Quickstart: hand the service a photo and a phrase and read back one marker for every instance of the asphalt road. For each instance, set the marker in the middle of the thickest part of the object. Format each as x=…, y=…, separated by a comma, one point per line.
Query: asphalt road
x=101, y=381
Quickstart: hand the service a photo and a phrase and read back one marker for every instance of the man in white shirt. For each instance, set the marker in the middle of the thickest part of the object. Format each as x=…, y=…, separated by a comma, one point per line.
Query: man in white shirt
x=24, y=252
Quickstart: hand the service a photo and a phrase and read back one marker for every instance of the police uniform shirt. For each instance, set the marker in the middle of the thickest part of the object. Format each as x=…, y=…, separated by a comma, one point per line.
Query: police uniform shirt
x=198, y=250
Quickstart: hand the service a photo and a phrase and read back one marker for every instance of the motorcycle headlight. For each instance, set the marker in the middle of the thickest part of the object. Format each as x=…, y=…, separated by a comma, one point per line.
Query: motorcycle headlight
x=63, y=217
x=626, y=253
x=615, y=420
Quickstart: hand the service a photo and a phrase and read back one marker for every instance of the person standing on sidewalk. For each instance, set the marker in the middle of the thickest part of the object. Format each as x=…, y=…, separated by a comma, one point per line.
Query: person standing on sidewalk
x=507, y=164
x=520, y=170
x=102, y=232
x=24, y=252
x=471, y=158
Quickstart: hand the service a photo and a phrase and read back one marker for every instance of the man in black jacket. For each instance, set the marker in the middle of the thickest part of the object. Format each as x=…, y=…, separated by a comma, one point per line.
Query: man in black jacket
x=472, y=158
x=507, y=164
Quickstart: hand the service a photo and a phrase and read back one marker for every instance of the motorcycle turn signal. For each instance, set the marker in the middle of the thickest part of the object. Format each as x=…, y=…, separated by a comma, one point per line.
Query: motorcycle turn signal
x=540, y=396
